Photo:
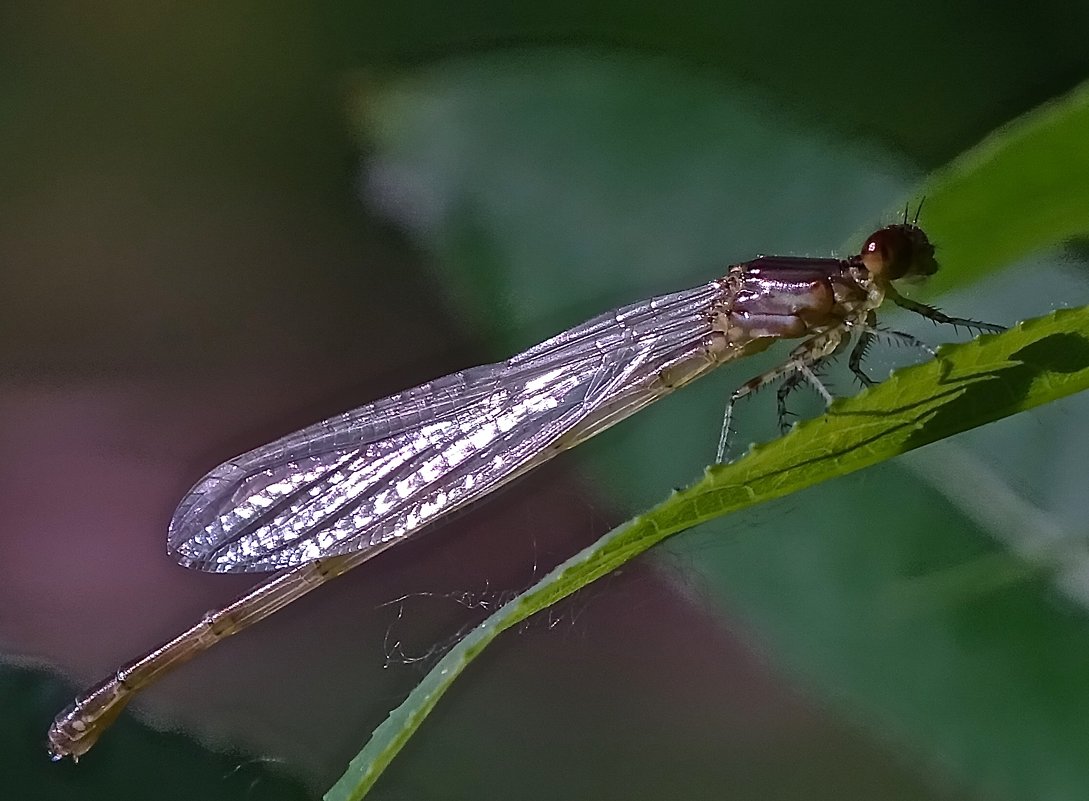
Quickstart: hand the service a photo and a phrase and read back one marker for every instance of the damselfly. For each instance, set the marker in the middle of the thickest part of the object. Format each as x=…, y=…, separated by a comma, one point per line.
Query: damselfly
x=325, y=499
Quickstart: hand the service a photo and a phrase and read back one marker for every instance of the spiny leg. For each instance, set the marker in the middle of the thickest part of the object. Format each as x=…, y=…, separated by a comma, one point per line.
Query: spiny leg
x=858, y=353
x=798, y=368
x=803, y=373
x=790, y=383
x=903, y=338
x=939, y=317
x=807, y=373
x=872, y=331
x=749, y=387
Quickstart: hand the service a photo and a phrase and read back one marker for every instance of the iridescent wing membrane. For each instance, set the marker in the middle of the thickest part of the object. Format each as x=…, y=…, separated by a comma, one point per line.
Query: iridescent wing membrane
x=381, y=472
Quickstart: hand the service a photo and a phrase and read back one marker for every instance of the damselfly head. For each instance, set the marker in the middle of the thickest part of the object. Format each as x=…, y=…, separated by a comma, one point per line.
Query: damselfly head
x=899, y=251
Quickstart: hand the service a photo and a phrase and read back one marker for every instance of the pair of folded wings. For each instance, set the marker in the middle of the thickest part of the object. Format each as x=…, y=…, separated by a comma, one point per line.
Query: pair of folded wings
x=383, y=471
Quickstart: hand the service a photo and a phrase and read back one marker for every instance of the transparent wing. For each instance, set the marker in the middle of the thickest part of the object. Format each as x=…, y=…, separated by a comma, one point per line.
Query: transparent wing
x=383, y=471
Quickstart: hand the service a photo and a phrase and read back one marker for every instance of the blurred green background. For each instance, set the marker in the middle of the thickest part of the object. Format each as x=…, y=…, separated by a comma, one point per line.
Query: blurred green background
x=219, y=224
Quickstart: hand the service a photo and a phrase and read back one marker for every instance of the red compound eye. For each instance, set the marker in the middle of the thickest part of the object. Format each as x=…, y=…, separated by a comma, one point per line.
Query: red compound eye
x=899, y=251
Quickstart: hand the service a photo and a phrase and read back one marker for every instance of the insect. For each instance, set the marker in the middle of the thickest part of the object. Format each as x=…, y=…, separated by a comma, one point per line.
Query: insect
x=325, y=499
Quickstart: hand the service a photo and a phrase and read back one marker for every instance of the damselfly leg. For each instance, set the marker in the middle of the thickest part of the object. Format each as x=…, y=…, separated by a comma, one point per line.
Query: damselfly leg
x=938, y=317
x=798, y=369
x=804, y=360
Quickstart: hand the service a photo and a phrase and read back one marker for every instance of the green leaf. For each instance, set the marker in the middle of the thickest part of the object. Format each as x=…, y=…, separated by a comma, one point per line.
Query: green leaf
x=835, y=591
x=966, y=386
x=1025, y=187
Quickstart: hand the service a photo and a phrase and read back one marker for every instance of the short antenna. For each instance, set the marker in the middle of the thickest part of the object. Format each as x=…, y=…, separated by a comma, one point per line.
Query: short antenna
x=918, y=211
